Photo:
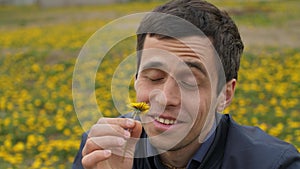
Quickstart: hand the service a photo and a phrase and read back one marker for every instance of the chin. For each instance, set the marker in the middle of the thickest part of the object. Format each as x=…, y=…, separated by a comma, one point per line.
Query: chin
x=165, y=142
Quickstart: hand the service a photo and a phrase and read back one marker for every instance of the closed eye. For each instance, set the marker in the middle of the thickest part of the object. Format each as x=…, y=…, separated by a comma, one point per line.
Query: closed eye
x=153, y=75
x=155, y=79
x=188, y=85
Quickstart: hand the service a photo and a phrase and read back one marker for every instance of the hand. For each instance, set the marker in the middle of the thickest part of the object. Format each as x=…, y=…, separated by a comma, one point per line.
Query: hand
x=106, y=142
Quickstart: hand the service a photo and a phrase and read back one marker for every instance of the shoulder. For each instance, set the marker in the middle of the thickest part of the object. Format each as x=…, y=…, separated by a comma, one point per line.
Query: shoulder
x=252, y=147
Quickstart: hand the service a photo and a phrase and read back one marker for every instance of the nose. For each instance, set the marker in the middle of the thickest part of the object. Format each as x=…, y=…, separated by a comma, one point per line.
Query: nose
x=169, y=94
x=172, y=92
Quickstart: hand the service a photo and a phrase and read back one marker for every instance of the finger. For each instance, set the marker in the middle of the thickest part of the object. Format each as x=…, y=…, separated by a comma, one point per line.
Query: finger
x=100, y=143
x=123, y=122
x=114, y=129
x=108, y=129
x=91, y=160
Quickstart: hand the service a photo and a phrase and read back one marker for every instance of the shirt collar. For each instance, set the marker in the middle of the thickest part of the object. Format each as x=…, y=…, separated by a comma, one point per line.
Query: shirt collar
x=201, y=152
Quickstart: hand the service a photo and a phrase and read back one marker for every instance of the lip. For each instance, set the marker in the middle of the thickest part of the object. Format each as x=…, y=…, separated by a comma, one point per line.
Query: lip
x=164, y=115
x=167, y=117
x=161, y=126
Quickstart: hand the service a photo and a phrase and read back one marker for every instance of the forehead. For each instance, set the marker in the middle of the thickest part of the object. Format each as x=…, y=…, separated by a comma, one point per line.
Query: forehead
x=170, y=50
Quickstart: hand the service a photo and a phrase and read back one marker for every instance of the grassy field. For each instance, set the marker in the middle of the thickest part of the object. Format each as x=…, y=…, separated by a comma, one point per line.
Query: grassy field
x=39, y=47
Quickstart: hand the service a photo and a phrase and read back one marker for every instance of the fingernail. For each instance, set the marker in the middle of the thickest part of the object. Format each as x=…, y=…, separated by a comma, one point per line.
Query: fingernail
x=129, y=122
x=107, y=153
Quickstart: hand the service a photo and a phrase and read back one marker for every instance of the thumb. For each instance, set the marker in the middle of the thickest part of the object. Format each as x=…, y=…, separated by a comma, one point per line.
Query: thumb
x=137, y=129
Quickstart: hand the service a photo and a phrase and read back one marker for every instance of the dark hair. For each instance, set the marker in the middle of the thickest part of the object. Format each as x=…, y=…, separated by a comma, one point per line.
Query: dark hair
x=215, y=24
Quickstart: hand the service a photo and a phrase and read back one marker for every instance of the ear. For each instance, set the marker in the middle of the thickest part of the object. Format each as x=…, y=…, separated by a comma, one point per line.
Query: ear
x=230, y=89
x=226, y=96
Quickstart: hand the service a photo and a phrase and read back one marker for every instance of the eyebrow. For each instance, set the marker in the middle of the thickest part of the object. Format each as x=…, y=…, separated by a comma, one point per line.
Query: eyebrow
x=160, y=65
x=153, y=64
x=198, y=66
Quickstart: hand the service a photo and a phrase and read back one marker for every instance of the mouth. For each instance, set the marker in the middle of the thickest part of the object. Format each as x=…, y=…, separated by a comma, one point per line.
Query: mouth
x=165, y=121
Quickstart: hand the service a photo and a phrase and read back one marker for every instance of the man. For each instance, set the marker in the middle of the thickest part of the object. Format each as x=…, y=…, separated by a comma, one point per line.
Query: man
x=187, y=77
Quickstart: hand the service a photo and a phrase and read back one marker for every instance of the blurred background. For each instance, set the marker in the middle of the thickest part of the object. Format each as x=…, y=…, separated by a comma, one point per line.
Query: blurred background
x=41, y=39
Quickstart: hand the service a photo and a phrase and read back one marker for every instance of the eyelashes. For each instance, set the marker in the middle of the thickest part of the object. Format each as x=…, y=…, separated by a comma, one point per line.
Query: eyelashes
x=187, y=84
x=184, y=80
x=155, y=79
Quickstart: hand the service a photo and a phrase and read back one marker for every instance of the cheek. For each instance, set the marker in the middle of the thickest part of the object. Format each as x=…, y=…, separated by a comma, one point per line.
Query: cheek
x=142, y=92
x=192, y=100
x=198, y=106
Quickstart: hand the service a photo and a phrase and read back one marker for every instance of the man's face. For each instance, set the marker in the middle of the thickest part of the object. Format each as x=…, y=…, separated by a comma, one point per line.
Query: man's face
x=175, y=79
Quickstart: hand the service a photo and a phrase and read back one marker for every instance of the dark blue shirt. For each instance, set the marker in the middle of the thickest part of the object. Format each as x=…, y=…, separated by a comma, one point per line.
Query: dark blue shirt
x=231, y=146
x=196, y=159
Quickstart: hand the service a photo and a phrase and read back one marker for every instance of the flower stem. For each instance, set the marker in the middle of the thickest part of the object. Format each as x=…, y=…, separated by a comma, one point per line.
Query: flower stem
x=126, y=144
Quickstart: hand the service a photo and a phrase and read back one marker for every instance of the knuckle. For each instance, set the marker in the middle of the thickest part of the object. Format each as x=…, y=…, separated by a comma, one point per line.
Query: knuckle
x=102, y=120
x=85, y=162
x=93, y=130
x=90, y=143
x=93, y=159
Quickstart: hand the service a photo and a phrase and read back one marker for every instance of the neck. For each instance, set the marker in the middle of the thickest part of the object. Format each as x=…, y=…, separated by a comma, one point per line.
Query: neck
x=185, y=153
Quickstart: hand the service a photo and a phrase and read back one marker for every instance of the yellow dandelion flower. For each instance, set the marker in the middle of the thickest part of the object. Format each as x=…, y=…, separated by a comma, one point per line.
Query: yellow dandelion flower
x=139, y=108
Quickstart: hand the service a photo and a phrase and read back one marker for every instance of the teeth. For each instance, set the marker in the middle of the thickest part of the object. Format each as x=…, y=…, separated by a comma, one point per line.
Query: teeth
x=165, y=121
x=161, y=120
